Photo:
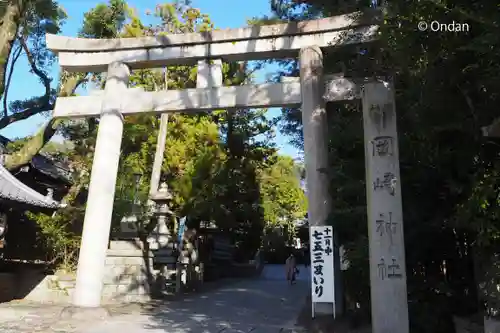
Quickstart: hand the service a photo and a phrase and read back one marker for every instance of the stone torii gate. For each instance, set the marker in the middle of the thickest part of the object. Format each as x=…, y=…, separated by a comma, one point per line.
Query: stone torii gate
x=311, y=91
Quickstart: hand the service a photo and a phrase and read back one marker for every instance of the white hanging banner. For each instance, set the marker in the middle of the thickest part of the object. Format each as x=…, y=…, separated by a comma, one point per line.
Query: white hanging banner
x=322, y=273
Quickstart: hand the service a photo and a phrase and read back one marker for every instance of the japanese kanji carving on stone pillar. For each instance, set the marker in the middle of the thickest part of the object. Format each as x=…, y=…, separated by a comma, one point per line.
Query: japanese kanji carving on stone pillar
x=385, y=218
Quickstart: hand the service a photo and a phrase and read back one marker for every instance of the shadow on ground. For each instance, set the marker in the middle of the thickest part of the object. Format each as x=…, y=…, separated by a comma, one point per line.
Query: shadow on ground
x=326, y=324
x=260, y=305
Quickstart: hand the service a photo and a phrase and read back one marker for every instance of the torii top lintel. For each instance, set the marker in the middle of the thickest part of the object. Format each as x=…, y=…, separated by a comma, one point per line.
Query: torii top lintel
x=251, y=43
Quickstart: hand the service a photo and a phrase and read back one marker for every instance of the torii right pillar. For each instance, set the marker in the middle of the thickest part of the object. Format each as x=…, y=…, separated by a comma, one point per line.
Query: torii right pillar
x=314, y=120
x=389, y=303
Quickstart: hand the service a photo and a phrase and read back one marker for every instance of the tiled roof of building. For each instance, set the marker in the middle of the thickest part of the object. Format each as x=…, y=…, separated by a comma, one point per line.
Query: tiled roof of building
x=55, y=169
x=13, y=189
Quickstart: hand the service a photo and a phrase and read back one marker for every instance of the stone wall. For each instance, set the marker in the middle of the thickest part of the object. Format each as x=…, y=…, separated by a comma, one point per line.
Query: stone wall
x=125, y=278
x=128, y=272
x=129, y=277
x=34, y=285
x=132, y=274
x=56, y=288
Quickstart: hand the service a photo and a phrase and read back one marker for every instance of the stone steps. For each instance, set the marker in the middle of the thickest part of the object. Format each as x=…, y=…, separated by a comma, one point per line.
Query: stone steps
x=126, y=270
x=132, y=244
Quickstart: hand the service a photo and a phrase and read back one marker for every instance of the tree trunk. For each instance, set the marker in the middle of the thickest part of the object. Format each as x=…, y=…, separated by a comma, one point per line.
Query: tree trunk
x=24, y=155
x=9, y=25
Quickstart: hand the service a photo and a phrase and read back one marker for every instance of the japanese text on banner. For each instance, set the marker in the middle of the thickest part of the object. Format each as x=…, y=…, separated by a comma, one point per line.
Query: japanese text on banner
x=322, y=248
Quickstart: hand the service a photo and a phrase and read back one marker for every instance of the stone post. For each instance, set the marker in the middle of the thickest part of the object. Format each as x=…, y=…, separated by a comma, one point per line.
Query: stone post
x=160, y=147
x=209, y=73
x=99, y=209
x=159, y=154
x=389, y=302
x=314, y=120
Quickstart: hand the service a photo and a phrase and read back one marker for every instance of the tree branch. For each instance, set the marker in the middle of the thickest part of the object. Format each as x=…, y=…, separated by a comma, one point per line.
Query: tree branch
x=70, y=83
x=43, y=77
x=7, y=81
x=25, y=114
x=33, y=146
x=66, y=89
x=45, y=104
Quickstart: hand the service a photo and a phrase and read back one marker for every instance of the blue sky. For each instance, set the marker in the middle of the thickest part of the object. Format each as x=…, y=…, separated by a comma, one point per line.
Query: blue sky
x=224, y=13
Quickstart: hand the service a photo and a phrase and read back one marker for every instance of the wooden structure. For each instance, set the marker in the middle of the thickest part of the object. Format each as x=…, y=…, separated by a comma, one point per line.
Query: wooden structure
x=14, y=193
x=12, y=189
x=42, y=172
x=21, y=190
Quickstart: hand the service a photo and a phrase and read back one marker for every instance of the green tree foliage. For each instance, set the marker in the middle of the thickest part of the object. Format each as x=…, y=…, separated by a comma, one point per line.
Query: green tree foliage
x=446, y=91
x=284, y=203
x=283, y=198
x=23, y=28
x=104, y=20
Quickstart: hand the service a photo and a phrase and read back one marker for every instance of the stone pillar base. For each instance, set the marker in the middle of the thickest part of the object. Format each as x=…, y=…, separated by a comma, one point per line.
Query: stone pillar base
x=322, y=309
x=83, y=313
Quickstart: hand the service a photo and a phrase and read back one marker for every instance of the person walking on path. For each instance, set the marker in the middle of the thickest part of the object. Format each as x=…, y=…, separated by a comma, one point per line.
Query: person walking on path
x=307, y=257
x=291, y=268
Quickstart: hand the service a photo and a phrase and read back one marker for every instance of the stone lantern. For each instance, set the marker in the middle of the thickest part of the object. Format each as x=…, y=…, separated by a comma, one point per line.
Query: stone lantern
x=160, y=237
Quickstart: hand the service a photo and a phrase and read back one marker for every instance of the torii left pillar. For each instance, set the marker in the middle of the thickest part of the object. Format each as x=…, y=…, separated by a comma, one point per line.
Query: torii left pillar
x=101, y=195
